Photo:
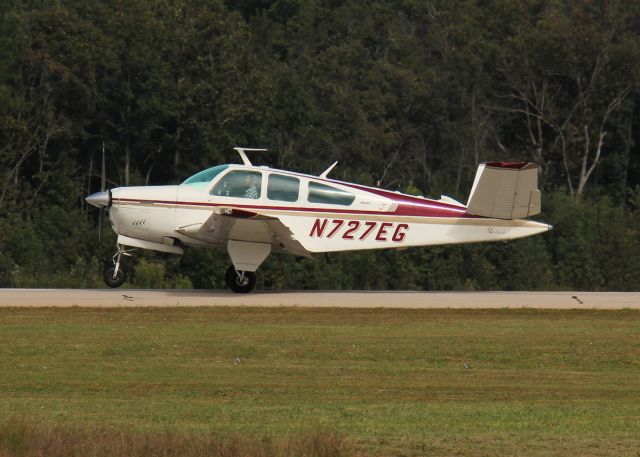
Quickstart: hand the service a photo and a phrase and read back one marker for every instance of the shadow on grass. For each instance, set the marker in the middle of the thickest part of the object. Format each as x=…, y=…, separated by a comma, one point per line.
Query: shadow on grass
x=21, y=438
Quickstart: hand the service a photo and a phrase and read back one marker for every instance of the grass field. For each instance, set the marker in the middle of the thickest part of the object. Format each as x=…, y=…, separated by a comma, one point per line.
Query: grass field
x=286, y=381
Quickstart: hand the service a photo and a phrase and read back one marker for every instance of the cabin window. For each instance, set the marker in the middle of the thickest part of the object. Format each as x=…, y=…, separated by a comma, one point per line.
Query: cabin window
x=206, y=176
x=283, y=188
x=321, y=193
x=239, y=184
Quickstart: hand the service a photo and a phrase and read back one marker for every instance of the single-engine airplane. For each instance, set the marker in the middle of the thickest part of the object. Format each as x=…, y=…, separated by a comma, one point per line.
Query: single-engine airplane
x=252, y=211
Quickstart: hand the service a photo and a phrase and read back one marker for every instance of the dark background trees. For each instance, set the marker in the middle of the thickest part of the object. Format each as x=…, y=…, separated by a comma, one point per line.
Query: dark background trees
x=406, y=95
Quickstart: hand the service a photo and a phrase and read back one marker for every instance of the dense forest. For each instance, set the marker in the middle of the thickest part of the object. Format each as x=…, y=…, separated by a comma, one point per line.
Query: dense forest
x=407, y=95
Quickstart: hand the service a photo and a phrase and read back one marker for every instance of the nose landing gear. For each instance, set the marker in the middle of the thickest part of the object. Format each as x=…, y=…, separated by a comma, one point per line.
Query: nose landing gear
x=240, y=281
x=114, y=275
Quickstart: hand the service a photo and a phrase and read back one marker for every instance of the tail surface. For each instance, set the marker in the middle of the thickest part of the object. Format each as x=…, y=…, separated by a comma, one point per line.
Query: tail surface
x=505, y=190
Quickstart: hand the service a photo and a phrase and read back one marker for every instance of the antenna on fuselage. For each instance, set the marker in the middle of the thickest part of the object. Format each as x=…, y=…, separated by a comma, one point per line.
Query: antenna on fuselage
x=243, y=156
x=326, y=172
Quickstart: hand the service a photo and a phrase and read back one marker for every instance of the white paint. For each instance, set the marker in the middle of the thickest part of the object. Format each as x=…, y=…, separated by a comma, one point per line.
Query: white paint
x=247, y=256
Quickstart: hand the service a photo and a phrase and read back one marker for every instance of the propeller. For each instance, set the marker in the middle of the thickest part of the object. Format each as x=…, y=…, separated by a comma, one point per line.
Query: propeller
x=101, y=199
x=103, y=183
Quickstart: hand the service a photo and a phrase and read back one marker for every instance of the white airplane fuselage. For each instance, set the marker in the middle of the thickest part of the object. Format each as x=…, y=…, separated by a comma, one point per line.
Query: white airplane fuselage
x=254, y=211
x=376, y=219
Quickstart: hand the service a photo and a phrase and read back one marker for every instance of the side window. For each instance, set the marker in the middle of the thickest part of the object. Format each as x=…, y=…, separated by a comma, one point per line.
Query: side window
x=320, y=193
x=239, y=184
x=283, y=188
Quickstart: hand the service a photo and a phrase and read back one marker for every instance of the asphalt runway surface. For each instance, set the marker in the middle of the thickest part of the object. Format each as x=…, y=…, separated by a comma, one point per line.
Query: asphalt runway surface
x=354, y=299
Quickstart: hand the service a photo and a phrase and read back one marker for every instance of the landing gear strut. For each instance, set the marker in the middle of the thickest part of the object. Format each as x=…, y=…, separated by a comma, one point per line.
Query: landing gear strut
x=114, y=275
x=240, y=282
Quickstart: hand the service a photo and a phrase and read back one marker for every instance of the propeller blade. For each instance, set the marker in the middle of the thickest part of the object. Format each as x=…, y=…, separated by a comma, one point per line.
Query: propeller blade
x=100, y=225
x=103, y=176
x=98, y=199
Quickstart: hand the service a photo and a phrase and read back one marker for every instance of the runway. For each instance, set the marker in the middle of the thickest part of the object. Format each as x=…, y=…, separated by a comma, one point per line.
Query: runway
x=105, y=298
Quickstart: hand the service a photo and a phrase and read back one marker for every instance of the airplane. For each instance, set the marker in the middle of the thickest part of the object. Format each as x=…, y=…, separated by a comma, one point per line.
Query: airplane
x=253, y=211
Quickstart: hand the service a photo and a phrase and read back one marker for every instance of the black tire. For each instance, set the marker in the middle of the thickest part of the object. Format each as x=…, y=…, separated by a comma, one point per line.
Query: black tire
x=110, y=280
x=237, y=285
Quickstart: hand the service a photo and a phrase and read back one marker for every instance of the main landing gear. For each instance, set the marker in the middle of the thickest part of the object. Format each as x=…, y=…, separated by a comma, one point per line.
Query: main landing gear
x=240, y=282
x=114, y=275
x=246, y=257
x=240, y=277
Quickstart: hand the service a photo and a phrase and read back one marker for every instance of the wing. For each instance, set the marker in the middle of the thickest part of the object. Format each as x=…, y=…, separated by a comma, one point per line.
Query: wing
x=228, y=223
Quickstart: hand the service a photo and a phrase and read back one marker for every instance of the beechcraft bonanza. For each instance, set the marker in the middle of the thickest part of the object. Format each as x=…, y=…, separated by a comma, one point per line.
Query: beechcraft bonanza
x=252, y=211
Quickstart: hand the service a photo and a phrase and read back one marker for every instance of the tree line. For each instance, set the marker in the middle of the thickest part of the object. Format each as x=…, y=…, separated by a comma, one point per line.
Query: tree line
x=406, y=95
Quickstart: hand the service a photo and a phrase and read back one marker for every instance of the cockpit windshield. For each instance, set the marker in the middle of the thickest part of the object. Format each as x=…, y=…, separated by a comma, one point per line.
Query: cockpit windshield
x=205, y=177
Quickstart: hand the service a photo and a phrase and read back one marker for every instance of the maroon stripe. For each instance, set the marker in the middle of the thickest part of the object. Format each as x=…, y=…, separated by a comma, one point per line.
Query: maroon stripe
x=408, y=207
x=416, y=206
x=514, y=165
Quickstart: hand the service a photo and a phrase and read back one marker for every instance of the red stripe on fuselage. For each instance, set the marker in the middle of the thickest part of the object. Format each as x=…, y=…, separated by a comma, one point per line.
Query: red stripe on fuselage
x=416, y=206
x=408, y=207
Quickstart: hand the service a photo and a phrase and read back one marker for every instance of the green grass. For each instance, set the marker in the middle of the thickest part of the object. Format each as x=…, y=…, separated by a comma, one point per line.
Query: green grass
x=391, y=382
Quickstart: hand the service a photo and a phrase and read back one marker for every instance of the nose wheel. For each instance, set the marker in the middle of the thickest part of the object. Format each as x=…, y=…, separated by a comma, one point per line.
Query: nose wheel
x=240, y=282
x=114, y=275
x=113, y=278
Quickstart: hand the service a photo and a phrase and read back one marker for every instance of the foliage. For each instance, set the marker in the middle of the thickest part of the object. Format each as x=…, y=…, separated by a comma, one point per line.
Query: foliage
x=405, y=95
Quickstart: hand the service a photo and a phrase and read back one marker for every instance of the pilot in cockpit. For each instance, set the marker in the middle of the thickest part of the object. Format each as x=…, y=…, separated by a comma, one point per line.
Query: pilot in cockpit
x=223, y=189
x=251, y=181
